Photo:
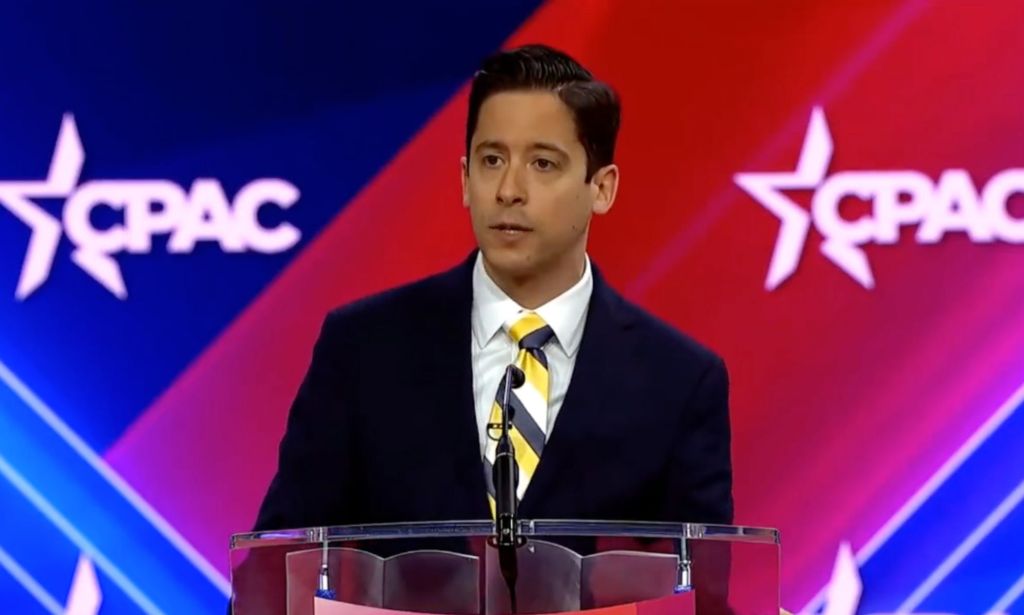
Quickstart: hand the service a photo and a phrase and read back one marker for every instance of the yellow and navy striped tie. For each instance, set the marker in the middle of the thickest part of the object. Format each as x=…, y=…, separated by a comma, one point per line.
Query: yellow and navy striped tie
x=529, y=403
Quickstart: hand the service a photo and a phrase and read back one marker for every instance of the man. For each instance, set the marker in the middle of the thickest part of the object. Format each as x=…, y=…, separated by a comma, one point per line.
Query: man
x=621, y=416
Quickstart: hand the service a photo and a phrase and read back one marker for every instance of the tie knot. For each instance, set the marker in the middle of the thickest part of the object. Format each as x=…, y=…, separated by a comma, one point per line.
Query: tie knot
x=530, y=331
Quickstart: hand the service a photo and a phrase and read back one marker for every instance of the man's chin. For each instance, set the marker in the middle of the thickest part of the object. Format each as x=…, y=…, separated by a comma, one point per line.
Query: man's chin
x=511, y=265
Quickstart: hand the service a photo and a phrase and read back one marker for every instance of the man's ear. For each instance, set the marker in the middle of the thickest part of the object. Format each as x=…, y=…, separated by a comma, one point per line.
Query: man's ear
x=465, y=181
x=604, y=185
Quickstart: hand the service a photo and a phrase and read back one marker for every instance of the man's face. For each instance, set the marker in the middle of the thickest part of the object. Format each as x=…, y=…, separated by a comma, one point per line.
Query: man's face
x=524, y=184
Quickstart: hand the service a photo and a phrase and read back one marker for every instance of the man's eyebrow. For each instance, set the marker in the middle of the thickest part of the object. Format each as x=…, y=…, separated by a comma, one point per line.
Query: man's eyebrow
x=549, y=147
x=538, y=145
x=490, y=144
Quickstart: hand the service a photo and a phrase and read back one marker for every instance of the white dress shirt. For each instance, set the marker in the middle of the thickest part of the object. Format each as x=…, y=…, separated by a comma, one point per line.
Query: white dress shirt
x=493, y=350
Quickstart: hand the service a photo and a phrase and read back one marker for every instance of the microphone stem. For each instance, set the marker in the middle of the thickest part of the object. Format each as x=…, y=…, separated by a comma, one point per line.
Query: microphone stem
x=505, y=483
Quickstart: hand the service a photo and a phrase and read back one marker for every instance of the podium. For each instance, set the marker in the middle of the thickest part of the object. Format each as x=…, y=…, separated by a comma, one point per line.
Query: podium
x=610, y=568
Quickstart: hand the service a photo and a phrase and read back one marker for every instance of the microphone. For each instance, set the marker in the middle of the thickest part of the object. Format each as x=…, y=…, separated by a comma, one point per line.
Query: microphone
x=506, y=479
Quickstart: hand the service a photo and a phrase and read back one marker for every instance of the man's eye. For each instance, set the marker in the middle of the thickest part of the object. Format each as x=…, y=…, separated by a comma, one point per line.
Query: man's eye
x=491, y=160
x=544, y=164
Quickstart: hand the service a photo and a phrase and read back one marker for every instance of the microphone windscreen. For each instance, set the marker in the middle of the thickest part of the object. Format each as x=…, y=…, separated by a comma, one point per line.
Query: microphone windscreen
x=518, y=377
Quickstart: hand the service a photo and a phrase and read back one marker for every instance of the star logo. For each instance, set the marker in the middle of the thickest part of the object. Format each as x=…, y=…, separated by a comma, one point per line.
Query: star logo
x=17, y=198
x=85, y=596
x=795, y=221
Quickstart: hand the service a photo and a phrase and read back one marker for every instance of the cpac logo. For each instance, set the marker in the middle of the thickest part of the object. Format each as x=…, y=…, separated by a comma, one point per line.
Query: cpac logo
x=202, y=214
x=899, y=198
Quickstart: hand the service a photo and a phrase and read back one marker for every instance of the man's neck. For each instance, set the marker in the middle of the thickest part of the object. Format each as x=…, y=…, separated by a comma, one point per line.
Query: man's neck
x=533, y=292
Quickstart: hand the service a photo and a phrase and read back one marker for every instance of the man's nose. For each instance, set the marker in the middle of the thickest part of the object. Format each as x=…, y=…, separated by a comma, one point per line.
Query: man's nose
x=510, y=189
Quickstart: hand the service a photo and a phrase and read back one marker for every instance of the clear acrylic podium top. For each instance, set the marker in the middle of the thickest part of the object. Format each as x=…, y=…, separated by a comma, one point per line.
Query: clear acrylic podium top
x=451, y=568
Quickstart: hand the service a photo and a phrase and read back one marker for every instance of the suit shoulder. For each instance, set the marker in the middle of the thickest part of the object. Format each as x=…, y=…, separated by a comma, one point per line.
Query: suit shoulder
x=409, y=301
x=668, y=342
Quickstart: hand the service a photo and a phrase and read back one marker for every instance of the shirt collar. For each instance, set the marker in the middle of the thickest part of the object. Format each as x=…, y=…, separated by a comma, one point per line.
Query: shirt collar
x=565, y=314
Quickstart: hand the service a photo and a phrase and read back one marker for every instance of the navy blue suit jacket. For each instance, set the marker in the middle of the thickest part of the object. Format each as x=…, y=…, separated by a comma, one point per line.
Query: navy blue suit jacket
x=383, y=428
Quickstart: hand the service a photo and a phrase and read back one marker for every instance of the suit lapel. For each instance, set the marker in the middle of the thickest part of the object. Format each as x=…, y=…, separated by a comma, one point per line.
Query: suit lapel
x=451, y=379
x=593, y=384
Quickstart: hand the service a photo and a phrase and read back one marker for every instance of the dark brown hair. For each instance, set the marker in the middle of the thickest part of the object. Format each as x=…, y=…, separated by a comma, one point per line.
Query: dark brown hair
x=594, y=105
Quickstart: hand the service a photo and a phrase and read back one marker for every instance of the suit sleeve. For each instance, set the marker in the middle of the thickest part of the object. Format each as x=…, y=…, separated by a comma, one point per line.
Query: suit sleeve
x=699, y=487
x=314, y=478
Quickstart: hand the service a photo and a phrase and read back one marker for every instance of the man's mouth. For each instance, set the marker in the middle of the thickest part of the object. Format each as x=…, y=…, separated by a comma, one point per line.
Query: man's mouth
x=508, y=227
